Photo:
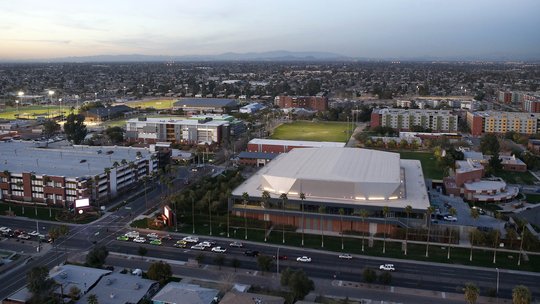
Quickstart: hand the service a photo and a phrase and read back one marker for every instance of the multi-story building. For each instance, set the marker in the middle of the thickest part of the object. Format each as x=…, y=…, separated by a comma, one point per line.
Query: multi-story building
x=531, y=105
x=505, y=97
x=316, y=103
x=60, y=175
x=152, y=130
x=204, y=105
x=405, y=119
x=502, y=122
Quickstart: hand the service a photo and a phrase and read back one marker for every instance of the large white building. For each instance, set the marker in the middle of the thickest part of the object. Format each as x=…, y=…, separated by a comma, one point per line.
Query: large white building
x=405, y=119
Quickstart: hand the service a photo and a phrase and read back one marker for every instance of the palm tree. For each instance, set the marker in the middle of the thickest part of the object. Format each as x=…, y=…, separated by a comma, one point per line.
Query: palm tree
x=523, y=228
x=474, y=215
x=245, y=200
x=265, y=199
x=408, y=210
x=92, y=299
x=452, y=212
x=385, y=211
x=364, y=214
x=209, y=196
x=302, y=197
x=228, y=212
x=496, y=240
x=283, y=198
x=471, y=293
x=429, y=211
x=322, y=209
x=341, y=213
x=521, y=295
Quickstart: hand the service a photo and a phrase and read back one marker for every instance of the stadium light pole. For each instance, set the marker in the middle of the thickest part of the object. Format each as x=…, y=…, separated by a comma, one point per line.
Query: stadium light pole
x=51, y=93
x=20, y=94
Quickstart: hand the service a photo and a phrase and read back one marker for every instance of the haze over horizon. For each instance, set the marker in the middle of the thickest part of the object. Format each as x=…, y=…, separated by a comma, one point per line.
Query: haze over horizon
x=32, y=30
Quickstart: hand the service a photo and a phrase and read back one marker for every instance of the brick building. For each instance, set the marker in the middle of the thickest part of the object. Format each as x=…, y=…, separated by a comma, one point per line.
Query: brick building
x=316, y=103
x=502, y=122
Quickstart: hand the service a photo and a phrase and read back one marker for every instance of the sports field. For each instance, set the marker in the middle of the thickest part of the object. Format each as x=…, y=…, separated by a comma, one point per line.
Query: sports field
x=32, y=112
x=158, y=104
x=312, y=131
x=428, y=161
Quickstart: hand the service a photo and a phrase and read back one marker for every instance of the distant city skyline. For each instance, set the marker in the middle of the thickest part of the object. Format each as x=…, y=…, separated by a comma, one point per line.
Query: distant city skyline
x=381, y=29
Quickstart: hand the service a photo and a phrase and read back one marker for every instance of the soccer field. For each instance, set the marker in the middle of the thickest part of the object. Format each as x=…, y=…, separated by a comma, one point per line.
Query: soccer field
x=32, y=112
x=158, y=104
x=312, y=131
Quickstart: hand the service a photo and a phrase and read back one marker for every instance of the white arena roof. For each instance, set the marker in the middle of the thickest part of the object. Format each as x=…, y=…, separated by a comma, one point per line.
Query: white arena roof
x=296, y=143
x=342, y=175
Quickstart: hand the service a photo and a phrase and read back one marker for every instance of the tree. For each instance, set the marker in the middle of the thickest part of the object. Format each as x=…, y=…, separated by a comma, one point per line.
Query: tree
x=92, y=299
x=385, y=211
x=115, y=134
x=245, y=200
x=283, y=198
x=142, y=251
x=219, y=260
x=471, y=293
x=74, y=293
x=159, y=271
x=265, y=201
x=408, y=210
x=521, y=295
x=75, y=129
x=200, y=258
x=341, y=213
x=385, y=278
x=474, y=215
x=429, y=212
x=322, y=209
x=363, y=214
x=369, y=275
x=97, y=256
x=452, y=212
x=496, y=238
x=235, y=263
x=302, y=198
x=265, y=262
x=50, y=127
x=298, y=282
x=38, y=282
x=489, y=144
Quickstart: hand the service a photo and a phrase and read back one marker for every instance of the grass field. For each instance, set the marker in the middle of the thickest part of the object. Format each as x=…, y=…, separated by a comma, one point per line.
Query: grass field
x=517, y=177
x=158, y=104
x=31, y=112
x=429, y=164
x=312, y=131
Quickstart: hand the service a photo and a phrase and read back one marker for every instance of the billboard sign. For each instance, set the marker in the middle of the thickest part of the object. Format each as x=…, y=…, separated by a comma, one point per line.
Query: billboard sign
x=83, y=202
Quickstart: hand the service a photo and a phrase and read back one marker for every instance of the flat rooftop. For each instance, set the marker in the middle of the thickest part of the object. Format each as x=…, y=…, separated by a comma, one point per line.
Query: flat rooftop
x=188, y=122
x=296, y=143
x=68, y=161
x=205, y=102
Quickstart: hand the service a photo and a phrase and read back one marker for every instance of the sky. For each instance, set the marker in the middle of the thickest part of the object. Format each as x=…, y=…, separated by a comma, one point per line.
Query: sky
x=37, y=29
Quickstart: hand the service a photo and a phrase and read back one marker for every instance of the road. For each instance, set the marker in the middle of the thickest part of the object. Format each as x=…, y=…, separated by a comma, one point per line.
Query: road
x=411, y=274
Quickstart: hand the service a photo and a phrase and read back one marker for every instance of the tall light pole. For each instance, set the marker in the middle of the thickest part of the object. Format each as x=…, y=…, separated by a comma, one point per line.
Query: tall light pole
x=51, y=93
x=20, y=94
x=497, y=281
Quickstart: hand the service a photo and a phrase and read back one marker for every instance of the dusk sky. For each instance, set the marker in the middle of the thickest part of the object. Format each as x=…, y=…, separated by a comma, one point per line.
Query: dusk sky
x=357, y=28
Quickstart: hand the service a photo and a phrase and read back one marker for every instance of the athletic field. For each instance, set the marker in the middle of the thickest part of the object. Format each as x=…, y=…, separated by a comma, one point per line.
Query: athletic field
x=158, y=104
x=312, y=131
x=32, y=112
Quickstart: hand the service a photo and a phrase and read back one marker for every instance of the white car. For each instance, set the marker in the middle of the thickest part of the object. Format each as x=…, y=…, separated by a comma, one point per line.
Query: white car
x=191, y=239
x=153, y=235
x=24, y=236
x=303, y=259
x=198, y=247
x=132, y=234
x=33, y=233
x=3, y=229
x=387, y=267
x=206, y=244
x=345, y=256
x=139, y=240
x=219, y=249
x=450, y=218
x=236, y=244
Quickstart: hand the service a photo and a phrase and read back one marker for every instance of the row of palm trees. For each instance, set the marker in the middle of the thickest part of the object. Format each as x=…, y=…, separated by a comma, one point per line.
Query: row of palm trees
x=520, y=294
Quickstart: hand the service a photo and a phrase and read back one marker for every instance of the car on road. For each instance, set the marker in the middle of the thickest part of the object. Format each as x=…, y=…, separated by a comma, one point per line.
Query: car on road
x=191, y=239
x=198, y=247
x=132, y=234
x=139, y=239
x=24, y=236
x=252, y=253
x=281, y=257
x=480, y=210
x=450, y=218
x=387, y=267
x=206, y=244
x=152, y=235
x=122, y=238
x=180, y=244
x=155, y=242
x=219, y=249
x=236, y=244
x=33, y=233
x=303, y=259
x=345, y=256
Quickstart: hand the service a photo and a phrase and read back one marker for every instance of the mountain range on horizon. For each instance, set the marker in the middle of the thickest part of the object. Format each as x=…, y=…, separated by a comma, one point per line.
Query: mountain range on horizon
x=279, y=55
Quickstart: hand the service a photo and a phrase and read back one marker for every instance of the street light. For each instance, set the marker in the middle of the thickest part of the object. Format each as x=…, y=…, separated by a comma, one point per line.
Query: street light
x=51, y=93
x=20, y=94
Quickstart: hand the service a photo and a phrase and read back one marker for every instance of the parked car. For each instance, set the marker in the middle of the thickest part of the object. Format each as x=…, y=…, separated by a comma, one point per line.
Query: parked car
x=252, y=253
x=281, y=257
x=180, y=244
x=139, y=239
x=345, y=256
x=219, y=249
x=387, y=267
x=206, y=244
x=132, y=234
x=33, y=233
x=122, y=238
x=303, y=259
x=155, y=242
x=152, y=235
x=24, y=236
x=236, y=244
x=450, y=218
x=198, y=247
x=191, y=239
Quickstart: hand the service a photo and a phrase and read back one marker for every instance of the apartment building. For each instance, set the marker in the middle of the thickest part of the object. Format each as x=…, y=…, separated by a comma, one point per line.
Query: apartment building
x=405, y=119
x=502, y=122
x=316, y=103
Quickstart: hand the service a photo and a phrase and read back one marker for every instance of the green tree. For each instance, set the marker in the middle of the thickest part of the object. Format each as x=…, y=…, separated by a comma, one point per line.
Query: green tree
x=489, y=144
x=245, y=200
x=75, y=128
x=284, y=199
x=50, y=127
x=408, y=210
x=92, y=299
x=521, y=295
x=38, y=282
x=97, y=256
x=235, y=263
x=471, y=292
x=265, y=204
x=265, y=262
x=452, y=212
x=159, y=271
x=142, y=251
x=497, y=233
x=429, y=212
x=474, y=215
x=385, y=211
x=219, y=260
x=74, y=293
x=115, y=134
x=363, y=214
x=298, y=283
x=369, y=275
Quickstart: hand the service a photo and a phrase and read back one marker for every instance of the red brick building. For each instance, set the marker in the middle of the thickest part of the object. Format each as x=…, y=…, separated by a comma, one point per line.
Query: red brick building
x=317, y=103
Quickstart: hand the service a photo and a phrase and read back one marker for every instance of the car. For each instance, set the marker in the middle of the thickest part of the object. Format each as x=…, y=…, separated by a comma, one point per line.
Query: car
x=387, y=267
x=166, y=237
x=345, y=256
x=4, y=229
x=198, y=247
x=480, y=210
x=252, y=253
x=303, y=259
x=191, y=239
x=180, y=244
x=281, y=257
x=152, y=235
x=24, y=236
x=450, y=218
x=236, y=244
x=206, y=244
x=132, y=234
x=122, y=238
x=139, y=239
x=33, y=233
x=155, y=242
x=219, y=249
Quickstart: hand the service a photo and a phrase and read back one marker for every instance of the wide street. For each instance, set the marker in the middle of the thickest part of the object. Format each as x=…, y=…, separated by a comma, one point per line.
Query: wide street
x=325, y=267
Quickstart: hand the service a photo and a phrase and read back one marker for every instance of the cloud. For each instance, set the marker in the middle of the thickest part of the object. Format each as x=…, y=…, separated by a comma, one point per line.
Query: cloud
x=55, y=41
